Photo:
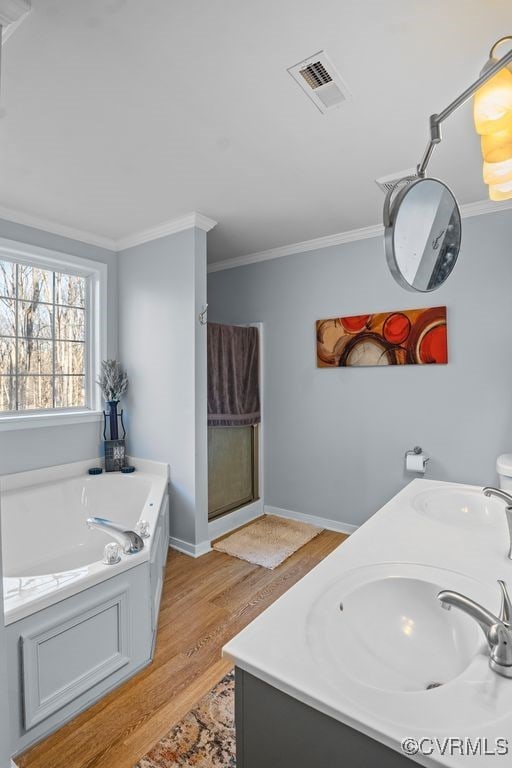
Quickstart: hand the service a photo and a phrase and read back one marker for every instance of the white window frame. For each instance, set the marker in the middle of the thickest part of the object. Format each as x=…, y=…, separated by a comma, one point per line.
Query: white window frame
x=95, y=273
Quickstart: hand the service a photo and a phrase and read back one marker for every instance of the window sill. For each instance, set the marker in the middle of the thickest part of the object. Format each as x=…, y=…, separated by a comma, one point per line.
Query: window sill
x=34, y=420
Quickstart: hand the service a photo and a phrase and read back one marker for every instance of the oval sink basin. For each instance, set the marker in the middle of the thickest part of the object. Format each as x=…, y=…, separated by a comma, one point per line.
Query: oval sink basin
x=384, y=627
x=455, y=507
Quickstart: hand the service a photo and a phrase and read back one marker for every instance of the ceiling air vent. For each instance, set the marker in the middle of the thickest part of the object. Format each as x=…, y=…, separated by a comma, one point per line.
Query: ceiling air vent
x=320, y=81
x=385, y=183
x=315, y=75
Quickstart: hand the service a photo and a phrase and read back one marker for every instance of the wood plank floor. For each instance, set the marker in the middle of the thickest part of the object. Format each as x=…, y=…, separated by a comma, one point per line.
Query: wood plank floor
x=205, y=603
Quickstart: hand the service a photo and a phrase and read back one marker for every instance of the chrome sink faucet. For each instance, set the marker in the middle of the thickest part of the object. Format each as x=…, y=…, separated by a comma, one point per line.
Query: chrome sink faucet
x=497, y=631
x=131, y=541
x=507, y=498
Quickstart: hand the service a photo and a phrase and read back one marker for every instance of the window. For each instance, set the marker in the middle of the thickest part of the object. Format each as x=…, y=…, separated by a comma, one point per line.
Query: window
x=50, y=343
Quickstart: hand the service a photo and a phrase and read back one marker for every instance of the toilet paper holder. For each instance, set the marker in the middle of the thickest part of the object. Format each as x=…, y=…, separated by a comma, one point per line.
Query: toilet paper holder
x=417, y=451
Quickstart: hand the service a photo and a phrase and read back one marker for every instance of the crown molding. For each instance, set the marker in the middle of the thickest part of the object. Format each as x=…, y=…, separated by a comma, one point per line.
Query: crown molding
x=484, y=206
x=376, y=230
x=12, y=11
x=204, y=222
x=12, y=14
x=194, y=219
x=54, y=228
x=306, y=245
x=200, y=221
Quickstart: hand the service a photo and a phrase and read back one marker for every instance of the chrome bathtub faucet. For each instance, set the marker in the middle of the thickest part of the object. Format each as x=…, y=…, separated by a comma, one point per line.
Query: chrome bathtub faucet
x=497, y=631
x=507, y=498
x=131, y=541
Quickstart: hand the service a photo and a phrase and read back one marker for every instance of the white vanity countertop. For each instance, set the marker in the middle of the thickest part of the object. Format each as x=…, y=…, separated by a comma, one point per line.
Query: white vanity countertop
x=276, y=647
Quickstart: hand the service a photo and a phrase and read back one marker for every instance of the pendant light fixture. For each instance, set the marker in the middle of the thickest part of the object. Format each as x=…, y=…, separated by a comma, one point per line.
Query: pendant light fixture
x=492, y=110
x=423, y=262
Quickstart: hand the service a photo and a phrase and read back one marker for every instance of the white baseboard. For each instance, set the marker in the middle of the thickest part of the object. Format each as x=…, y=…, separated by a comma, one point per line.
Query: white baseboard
x=245, y=515
x=233, y=520
x=193, y=550
x=321, y=522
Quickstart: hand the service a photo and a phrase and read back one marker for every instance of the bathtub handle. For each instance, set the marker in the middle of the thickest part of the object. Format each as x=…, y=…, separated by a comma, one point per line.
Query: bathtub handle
x=131, y=541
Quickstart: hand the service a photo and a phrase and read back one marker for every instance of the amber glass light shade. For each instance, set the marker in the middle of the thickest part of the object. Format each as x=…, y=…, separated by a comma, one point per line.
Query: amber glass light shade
x=497, y=147
x=492, y=111
x=498, y=173
x=501, y=191
x=492, y=107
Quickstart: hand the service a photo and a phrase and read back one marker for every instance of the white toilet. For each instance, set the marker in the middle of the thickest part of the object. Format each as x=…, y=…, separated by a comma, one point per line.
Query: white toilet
x=504, y=469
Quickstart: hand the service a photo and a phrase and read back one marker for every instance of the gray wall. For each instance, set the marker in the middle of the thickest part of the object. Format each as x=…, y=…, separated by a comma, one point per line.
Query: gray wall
x=44, y=446
x=334, y=439
x=162, y=287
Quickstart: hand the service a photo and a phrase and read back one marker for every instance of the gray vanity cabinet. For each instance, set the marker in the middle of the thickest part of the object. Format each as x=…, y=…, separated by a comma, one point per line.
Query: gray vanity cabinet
x=277, y=731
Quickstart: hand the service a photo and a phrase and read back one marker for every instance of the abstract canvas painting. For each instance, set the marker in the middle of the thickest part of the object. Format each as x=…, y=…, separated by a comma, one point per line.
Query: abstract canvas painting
x=405, y=337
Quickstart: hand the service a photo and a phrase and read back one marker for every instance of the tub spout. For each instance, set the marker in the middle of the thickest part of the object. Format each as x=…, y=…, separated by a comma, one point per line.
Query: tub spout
x=131, y=541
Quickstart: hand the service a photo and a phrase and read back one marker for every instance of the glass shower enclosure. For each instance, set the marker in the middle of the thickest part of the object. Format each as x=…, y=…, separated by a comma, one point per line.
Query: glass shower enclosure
x=232, y=468
x=234, y=415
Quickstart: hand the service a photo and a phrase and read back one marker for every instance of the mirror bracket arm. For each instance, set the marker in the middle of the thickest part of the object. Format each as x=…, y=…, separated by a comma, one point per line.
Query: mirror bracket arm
x=437, y=119
x=435, y=139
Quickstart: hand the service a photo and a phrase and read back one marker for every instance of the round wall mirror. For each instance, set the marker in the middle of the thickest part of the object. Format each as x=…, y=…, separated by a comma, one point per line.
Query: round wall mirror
x=423, y=233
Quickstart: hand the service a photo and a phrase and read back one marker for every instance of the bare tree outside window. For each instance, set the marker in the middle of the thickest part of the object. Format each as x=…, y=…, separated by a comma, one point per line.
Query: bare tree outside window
x=42, y=338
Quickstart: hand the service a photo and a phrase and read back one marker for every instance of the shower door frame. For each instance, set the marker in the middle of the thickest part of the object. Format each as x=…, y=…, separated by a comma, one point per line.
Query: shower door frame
x=227, y=521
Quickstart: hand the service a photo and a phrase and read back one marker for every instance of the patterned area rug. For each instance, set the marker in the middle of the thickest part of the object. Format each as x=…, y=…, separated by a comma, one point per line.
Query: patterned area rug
x=268, y=541
x=205, y=738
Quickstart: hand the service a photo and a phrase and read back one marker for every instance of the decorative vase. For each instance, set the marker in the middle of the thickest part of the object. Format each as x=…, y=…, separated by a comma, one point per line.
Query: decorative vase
x=114, y=431
x=115, y=448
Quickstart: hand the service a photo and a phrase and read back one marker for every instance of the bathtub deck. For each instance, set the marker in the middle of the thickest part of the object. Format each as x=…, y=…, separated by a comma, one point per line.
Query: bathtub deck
x=205, y=603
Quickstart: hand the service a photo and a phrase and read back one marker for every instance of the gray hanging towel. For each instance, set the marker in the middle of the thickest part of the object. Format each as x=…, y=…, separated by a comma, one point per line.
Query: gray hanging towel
x=233, y=376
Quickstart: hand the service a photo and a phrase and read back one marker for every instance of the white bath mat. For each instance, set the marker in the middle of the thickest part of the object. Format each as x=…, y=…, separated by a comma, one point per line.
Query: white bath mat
x=268, y=541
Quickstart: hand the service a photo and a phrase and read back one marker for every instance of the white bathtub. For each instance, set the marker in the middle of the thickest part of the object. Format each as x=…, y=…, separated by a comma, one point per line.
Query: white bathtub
x=49, y=553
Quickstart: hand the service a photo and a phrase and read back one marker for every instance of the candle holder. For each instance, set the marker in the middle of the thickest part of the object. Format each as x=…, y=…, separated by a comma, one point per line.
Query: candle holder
x=115, y=455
